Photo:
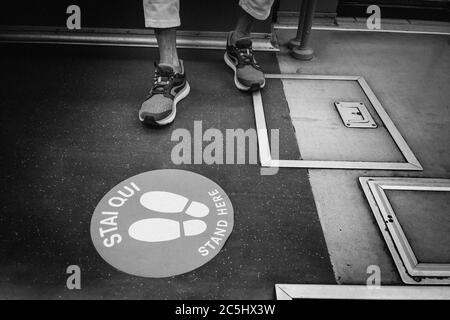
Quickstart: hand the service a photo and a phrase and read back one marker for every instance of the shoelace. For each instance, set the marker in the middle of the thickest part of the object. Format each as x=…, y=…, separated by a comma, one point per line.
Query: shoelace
x=248, y=57
x=160, y=82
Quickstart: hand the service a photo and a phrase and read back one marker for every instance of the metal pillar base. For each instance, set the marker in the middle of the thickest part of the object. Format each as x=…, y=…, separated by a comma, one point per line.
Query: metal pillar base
x=294, y=42
x=302, y=53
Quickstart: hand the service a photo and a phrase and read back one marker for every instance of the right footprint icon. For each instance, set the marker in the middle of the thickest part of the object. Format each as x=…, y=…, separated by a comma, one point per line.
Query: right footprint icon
x=161, y=229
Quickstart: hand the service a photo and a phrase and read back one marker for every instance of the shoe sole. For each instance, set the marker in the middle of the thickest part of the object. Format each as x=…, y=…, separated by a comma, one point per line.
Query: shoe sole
x=239, y=85
x=169, y=119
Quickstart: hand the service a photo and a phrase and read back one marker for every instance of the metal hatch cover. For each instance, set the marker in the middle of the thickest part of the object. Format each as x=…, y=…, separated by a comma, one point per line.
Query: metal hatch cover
x=355, y=115
x=412, y=269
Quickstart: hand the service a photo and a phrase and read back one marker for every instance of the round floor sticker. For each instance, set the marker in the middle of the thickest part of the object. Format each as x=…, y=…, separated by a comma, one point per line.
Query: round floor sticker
x=162, y=223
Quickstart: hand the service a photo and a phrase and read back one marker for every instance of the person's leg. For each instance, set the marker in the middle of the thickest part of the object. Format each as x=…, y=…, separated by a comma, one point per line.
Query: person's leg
x=167, y=44
x=250, y=10
x=258, y=9
x=244, y=26
x=164, y=17
x=170, y=85
x=239, y=55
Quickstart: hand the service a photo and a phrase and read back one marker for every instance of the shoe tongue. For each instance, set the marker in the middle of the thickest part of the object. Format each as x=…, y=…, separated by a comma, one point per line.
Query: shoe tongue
x=165, y=69
x=244, y=43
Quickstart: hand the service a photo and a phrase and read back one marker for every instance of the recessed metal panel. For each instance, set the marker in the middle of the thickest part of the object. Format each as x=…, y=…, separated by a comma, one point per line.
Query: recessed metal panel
x=411, y=269
x=355, y=115
x=263, y=142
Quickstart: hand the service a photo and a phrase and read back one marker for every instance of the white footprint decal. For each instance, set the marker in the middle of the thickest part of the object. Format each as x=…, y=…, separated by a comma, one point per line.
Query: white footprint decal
x=161, y=229
x=169, y=202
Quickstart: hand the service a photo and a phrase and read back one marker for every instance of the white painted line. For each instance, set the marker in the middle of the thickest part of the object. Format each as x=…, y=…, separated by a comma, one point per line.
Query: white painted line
x=355, y=292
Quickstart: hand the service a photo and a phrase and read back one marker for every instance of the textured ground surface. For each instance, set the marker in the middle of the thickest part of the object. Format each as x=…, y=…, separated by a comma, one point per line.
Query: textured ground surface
x=70, y=133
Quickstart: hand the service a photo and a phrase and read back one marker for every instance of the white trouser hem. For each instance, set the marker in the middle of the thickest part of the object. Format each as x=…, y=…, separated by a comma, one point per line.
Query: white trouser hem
x=252, y=12
x=162, y=24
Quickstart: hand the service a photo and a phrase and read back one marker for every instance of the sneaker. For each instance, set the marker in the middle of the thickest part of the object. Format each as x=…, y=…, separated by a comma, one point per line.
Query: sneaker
x=248, y=75
x=168, y=89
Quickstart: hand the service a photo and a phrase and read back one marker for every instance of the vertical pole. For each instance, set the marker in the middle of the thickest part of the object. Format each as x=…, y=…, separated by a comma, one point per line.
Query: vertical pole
x=303, y=51
x=295, y=42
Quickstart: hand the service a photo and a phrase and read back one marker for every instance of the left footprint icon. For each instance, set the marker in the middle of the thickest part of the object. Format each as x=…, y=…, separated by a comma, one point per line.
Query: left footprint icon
x=159, y=230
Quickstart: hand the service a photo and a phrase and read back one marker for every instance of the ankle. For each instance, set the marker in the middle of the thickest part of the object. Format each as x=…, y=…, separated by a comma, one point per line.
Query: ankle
x=237, y=35
x=174, y=63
